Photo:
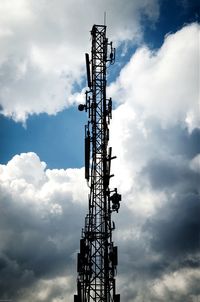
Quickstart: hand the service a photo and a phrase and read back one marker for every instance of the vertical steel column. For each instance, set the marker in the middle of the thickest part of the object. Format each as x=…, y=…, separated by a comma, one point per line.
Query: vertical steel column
x=97, y=259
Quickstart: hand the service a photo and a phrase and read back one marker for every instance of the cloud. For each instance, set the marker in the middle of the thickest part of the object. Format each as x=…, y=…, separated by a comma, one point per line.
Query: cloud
x=169, y=173
x=176, y=233
x=42, y=47
x=149, y=128
x=41, y=219
x=157, y=172
x=195, y=164
x=178, y=286
x=163, y=83
x=41, y=213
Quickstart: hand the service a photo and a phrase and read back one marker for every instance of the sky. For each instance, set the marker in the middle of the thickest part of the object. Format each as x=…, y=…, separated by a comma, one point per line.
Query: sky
x=155, y=133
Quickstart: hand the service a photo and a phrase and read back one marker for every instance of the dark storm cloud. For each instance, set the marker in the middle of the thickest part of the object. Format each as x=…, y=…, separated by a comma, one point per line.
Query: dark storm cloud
x=13, y=278
x=167, y=241
x=176, y=228
x=168, y=244
x=33, y=247
x=190, y=143
x=166, y=174
x=175, y=138
x=39, y=245
x=169, y=167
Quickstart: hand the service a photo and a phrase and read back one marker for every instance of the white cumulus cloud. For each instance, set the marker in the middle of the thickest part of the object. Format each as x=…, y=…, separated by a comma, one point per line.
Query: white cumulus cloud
x=164, y=83
x=42, y=47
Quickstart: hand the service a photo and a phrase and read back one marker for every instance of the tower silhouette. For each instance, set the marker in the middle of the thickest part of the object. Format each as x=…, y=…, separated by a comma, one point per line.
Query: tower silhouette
x=98, y=257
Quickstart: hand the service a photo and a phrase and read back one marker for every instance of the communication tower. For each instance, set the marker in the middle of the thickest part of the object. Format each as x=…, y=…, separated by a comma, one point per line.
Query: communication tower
x=98, y=259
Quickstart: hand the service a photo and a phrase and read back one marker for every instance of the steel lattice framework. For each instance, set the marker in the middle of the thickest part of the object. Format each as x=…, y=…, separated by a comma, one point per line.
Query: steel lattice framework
x=97, y=259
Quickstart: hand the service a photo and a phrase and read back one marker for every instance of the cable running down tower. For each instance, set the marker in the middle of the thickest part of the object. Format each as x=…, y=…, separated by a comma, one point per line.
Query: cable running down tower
x=97, y=260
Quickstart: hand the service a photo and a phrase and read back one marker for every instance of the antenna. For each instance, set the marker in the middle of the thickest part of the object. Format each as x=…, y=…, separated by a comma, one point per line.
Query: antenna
x=88, y=69
x=87, y=152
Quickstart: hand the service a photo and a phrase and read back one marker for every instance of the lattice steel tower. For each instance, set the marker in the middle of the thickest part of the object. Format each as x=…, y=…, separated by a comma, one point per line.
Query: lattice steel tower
x=97, y=259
